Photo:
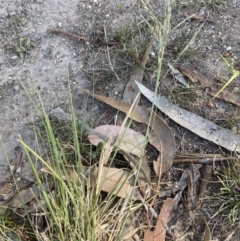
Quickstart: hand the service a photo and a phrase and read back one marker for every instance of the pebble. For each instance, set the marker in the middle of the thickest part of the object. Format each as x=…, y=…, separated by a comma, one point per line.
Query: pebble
x=95, y=108
x=14, y=57
x=210, y=104
x=116, y=93
x=229, y=48
x=225, y=54
x=60, y=24
x=153, y=54
x=47, y=52
x=16, y=87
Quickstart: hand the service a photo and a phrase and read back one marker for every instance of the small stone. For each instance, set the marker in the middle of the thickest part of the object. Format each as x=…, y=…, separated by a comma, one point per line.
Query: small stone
x=225, y=54
x=89, y=7
x=116, y=93
x=47, y=52
x=60, y=24
x=153, y=54
x=210, y=104
x=95, y=108
x=16, y=87
x=14, y=57
x=229, y=48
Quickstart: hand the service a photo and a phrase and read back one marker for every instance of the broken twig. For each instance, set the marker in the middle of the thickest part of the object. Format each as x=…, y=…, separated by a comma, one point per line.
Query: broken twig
x=79, y=38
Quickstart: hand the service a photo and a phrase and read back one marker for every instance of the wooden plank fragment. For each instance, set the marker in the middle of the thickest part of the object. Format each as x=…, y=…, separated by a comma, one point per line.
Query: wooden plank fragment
x=198, y=125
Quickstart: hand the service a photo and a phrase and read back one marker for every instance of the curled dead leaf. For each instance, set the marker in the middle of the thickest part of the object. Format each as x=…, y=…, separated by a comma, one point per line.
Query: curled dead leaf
x=126, y=139
x=160, y=137
x=159, y=233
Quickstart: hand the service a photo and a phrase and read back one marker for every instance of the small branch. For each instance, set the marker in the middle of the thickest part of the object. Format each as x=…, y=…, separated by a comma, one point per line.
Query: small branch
x=200, y=158
x=79, y=38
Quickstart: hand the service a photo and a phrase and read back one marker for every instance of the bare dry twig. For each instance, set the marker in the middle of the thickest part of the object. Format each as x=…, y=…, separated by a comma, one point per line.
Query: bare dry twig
x=79, y=38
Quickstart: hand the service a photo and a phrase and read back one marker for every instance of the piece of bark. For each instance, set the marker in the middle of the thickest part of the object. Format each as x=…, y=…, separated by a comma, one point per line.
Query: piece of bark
x=226, y=94
x=198, y=125
x=183, y=182
x=191, y=193
x=204, y=182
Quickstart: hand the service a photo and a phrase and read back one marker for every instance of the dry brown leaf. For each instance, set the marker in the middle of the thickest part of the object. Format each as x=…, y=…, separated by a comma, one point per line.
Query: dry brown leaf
x=130, y=142
x=24, y=197
x=194, y=16
x=160, y=230
x=113, y=180
x=178, y=76
x=198, y=125
x=116, y=181
x=161, y=137
x=144, y=174
x=131, y=90
x=226, y=94
x=127, y=139
x=207, y=233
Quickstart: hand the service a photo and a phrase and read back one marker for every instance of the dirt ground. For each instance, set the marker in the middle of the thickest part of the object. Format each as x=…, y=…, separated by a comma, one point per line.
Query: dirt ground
x=45, y=61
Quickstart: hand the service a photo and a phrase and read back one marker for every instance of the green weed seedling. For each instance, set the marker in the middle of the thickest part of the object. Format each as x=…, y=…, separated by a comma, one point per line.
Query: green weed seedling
x=22, y=46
